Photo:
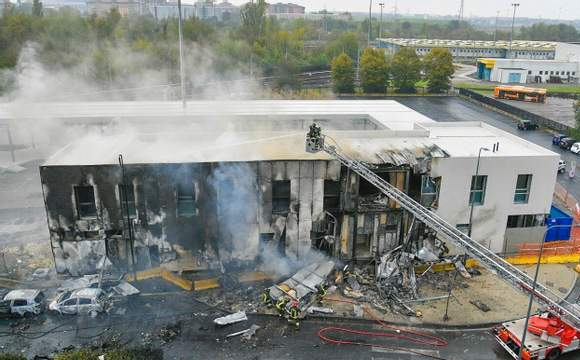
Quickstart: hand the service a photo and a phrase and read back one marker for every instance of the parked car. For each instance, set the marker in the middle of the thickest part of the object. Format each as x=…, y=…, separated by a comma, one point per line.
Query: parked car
x=80, y=301
x=556, y=139
x=527, y=125
x=575, y=148
x=561, y=166
x=567, y=142
x=24, y=301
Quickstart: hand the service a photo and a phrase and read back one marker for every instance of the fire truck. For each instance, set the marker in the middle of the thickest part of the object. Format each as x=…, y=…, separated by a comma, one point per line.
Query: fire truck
x=553, y=332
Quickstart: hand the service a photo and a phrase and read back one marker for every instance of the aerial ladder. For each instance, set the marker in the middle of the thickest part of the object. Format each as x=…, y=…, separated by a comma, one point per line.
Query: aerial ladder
x=559, y=318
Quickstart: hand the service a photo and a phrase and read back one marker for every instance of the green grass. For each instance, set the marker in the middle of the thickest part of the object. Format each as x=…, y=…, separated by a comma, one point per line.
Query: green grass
x=558, y=88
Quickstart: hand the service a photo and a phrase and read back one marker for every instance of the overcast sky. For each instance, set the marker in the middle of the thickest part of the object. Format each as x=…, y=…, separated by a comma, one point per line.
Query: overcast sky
x=553, y=9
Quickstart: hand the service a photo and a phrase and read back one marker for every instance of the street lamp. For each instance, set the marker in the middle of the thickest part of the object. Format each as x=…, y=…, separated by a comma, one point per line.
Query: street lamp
x=473, y=200
x=522, y=346
x=382, y=5
x=181, y=74
x=370, y=21
x=515, y=5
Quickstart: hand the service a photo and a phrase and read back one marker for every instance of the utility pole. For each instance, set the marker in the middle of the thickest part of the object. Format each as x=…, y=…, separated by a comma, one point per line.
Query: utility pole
x=181, y=73
x=495, y=32
x=461, y=5
x=370, y=22
x=382, y=5
x=515, y=5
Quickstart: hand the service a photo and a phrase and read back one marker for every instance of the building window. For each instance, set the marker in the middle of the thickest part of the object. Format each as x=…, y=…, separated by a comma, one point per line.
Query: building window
x=185, y=200
x=573, y=73
x=331, y=195
x=85, y=198
x=429, y=191
x=464, y=228
x=557, y=73
x=541, y=72
x=477, y=193
x=523, y=221
x=551, y=72
x=129, y=202
x=529, y=72
x=567, y=73
x=523, y=189
x=281, y=196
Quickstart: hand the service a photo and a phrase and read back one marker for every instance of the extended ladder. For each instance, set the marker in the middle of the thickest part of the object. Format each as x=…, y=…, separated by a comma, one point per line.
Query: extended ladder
x=514, y=276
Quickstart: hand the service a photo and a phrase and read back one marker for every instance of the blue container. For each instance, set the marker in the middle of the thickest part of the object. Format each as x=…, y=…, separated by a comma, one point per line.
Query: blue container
x=558, y=217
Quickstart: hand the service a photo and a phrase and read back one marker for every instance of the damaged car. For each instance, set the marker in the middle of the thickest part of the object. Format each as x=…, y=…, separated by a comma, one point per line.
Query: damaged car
x=23, y=302
x=81, y=301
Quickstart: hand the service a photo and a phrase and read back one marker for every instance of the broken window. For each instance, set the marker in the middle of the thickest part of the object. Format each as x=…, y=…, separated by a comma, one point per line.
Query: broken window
x=430, y=191
x=185, y=200
x=331, y=196
x=280, y=196
x=477, y=193
x=85, y=199
x=522, y=221
x=128, y=202
x=522, y=189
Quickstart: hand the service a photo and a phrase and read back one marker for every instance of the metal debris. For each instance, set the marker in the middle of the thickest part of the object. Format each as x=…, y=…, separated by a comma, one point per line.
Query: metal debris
x=246, y=334
x=125, y=289
x=231, y=319
x=322, y=310
x=481, y=306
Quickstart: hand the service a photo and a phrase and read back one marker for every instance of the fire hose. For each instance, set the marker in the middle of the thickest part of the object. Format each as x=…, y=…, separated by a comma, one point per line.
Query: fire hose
x=397, y=333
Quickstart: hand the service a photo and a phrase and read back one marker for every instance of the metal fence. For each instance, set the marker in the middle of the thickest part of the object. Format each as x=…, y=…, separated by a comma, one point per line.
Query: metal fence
x=513, y=110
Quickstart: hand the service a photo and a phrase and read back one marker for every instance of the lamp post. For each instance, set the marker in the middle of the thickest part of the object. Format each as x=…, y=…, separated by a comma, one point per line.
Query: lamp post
x=382, y=5
x=523, y=346
x=370, y=21
x=495, y=32
x=473, y=200
x=515, y=5
x=181, y=74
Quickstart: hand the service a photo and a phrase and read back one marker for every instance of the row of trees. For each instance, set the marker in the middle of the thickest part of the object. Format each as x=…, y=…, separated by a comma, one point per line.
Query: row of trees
x=403, y=71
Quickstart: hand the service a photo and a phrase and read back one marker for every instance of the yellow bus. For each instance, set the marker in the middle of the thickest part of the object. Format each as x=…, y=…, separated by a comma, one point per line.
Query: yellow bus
x=520, y=93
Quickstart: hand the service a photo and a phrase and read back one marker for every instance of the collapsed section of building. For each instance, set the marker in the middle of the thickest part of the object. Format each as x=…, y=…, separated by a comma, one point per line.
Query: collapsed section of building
x=220, y=196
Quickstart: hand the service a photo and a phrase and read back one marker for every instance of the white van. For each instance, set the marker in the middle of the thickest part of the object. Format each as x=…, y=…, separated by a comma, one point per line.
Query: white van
x=575, y=148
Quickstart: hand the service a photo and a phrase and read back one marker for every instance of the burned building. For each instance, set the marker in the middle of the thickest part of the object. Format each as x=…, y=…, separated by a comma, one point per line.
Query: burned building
x=236, y=185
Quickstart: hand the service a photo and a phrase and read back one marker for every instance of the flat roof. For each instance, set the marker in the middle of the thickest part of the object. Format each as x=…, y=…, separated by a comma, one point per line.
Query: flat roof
x=405, y=137
x=527, y=61
x=500, y=44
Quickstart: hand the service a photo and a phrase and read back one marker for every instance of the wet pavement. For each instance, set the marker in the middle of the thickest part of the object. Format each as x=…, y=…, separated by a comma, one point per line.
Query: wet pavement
x=457, y=109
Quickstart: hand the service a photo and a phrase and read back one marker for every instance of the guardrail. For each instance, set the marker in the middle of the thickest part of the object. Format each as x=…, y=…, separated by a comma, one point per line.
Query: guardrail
x=513, y=110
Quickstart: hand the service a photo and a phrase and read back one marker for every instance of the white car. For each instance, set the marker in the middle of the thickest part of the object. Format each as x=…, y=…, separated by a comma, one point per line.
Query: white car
x=25, y=301
x=561, y=166
x=575, y=148
x=81, y=301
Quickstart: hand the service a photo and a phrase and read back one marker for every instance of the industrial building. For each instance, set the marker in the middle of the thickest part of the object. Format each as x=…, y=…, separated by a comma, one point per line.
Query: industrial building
x=527, y=71
x=472, y=49
x=224, y=183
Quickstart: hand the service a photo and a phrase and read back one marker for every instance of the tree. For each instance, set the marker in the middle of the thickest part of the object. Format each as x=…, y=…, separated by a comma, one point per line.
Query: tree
x=406, y=70
x=253, y=16
x=438, y=66
x=36, y=8
x=343, y=74
x=374, y=71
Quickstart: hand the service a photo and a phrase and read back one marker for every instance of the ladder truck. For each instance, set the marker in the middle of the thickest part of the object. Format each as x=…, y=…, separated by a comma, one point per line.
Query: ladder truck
x=550, y=333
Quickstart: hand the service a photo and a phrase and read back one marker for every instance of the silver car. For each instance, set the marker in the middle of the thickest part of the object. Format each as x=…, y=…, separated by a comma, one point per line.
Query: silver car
x=25, y=301
x=81, y=301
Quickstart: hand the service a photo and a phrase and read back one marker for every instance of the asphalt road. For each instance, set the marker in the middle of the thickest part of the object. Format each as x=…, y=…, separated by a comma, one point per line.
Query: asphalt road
x=457, y=109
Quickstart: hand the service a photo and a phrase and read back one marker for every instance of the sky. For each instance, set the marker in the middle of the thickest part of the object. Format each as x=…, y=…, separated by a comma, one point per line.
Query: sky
x=553, y=9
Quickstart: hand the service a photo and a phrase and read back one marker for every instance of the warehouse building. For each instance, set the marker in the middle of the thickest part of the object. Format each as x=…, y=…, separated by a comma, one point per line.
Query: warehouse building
x=226, y=192
x=527, y=71
x=464, y=50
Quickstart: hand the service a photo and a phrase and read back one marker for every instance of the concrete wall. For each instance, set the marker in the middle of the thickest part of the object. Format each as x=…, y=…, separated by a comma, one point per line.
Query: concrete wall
x=567, y=52
x=490, y=219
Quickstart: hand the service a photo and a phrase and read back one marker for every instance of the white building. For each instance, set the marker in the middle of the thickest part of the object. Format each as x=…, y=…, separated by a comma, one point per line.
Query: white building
x=528, y=71
x=473, y=49
x=288, y=195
